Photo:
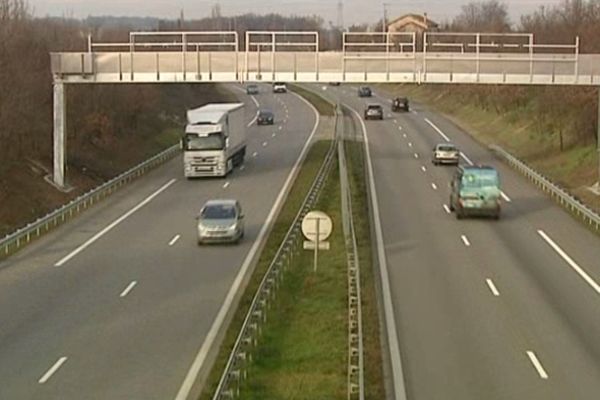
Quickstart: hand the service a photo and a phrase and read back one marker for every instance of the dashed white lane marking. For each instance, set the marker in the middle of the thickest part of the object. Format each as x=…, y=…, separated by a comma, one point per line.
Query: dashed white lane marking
x=537, y=364
x=505, y=197
x=447, y=209
x=404, y=135
x=226, y=185
x=414, y=112
x=464, y=156
x=128, y=289
x=255, y=154
x=465, y=240
x=52, y=370
x=590, y=281
x=174, y=240
x=423, y=168
x=273, y=134
x=409, y=144
x=280, y=127
x=434, y=186
x=492, y=287
x=243, y=167
x=399, y=128
x=395, y=121
x=104, y=231
x=264, y=144
x=438, y=130
x=416, y=155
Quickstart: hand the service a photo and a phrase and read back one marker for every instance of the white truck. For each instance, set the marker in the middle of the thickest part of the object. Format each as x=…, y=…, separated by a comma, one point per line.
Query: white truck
x=214, y=141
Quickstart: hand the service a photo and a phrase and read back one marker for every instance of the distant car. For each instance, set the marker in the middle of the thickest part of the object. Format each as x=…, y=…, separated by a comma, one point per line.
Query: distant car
x=252, y=89
x=374, y=111
x=220, y=221
x=279, y=87
x=445, y=153
x=475, y=191
x=400, y=103
x=365, y=91
x=265, y=117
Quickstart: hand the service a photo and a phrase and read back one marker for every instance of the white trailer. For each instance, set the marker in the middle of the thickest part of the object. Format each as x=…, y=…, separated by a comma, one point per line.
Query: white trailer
x=215, y=140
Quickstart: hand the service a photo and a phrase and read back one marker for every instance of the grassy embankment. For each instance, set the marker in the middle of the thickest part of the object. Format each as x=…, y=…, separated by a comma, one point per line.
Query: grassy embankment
x=530, y=122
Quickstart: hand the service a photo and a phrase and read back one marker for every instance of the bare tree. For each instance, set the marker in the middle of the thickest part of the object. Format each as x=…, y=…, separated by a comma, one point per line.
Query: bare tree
x=483, y=16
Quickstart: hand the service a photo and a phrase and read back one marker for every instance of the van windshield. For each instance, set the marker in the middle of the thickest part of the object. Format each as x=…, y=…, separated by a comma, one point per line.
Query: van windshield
x=483, y=178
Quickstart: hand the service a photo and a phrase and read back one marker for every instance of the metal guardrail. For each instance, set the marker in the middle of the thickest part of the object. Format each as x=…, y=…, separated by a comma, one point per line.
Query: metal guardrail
x=240, y=357
x=356, y=387
x=22, y=237
x=564, y=198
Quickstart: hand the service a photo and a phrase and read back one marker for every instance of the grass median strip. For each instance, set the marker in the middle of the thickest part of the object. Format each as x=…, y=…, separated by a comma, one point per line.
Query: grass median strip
x=323, y=106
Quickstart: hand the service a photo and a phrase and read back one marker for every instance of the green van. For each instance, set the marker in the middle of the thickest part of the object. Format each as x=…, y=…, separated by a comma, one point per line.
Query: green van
x=475, y=190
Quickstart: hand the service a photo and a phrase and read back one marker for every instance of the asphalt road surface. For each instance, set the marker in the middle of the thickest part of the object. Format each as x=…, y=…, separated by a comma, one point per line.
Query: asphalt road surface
x=483, y=309
x=124, y=316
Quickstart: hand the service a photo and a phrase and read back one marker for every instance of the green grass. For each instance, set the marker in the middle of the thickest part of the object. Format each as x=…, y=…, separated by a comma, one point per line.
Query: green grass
x=374, y=387
x=303, y=350
x=323, y=106
x=293, y=202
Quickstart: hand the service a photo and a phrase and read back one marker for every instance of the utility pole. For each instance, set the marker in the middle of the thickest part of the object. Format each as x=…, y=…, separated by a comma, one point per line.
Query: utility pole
x=340, y=15
x=384, y=27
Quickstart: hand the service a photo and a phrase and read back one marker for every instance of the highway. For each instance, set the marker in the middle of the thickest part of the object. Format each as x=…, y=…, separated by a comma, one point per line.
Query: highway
x=119, y=303
x=479, y=309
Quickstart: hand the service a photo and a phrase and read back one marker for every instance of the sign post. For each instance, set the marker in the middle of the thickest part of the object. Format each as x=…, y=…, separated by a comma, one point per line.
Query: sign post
x=316, y=227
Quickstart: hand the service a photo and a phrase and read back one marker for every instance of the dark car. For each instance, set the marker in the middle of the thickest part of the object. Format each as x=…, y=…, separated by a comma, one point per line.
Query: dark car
x=265, y=117
x=252, y=89
x=374, y=111
x=400, y=103
x=364, y=91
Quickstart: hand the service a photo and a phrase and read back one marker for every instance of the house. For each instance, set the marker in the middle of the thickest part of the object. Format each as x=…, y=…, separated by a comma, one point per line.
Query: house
x=418, y=23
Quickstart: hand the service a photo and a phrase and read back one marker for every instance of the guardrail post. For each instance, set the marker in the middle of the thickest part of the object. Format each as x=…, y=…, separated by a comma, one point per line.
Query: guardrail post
x=60, y=128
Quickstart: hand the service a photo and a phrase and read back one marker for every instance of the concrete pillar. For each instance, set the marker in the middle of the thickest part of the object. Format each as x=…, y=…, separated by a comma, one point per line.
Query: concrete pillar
x=60, y=130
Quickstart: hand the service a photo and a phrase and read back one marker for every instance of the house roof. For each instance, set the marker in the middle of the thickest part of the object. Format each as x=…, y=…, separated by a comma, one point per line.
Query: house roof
x=418, y=18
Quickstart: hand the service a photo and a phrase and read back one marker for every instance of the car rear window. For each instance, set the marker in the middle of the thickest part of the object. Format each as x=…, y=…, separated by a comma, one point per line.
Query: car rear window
x=374, y=107
x=446, y=148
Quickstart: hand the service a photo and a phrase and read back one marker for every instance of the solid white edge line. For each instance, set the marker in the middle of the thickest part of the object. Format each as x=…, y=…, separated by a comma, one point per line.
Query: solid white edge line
x=505, y=197
x=392, y=335
x=174, y=240
x=447, y=209
x=492, y=287
x=590, y=281
x=208, y=343
x=464, y=156
x=465, y=240
x=52, y=370
x=253, y=120
x=537, y=365
x=438, y=130
x=104, y=231
x=128, y=289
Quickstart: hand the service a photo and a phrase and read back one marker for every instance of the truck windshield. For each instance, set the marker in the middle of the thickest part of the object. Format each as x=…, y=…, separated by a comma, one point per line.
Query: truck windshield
x=483, y=178
x=214, y=141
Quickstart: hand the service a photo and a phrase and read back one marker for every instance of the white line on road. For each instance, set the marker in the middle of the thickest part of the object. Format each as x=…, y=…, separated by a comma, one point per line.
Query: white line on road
x=243, y=167
x=492, y=287
x=52, y=370
x=104, y=231
x=226, y=185
x=505, y=197
x=438, y=130
x=392, y=334
x=174, y=240
x=404, y=135
x=280, y=127
x=570, y=261
x=447, y=209
x=128, y=289
x=253, y=120
x=273, y=134
x=537, y=365
x=464, y=156
x=264, y=144
x=255, y=154
x=414, y=112
x=209, y=341
x=409, y=144
x=465, y=240
x=416, y=155
x=423, y=168
x=400, y=128
x=434, y=186
x=395, y=121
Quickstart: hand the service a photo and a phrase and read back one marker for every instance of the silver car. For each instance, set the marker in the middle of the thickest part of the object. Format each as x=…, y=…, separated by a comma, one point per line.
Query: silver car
x=220, y=221
x=445, y=153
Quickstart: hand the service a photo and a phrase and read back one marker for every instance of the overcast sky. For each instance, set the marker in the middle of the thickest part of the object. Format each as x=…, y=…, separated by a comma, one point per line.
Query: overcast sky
x=355, y=11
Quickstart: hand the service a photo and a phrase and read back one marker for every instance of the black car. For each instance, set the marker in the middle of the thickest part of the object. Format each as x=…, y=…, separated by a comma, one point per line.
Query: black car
x=251, y=89
x=400, y=103
x=364, y=91
x=265, y=117
x=374, y=111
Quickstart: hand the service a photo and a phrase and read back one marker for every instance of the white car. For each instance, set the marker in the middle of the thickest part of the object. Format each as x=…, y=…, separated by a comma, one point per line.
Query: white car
x=220, y=221
x=279, y=87
x=445, y=153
